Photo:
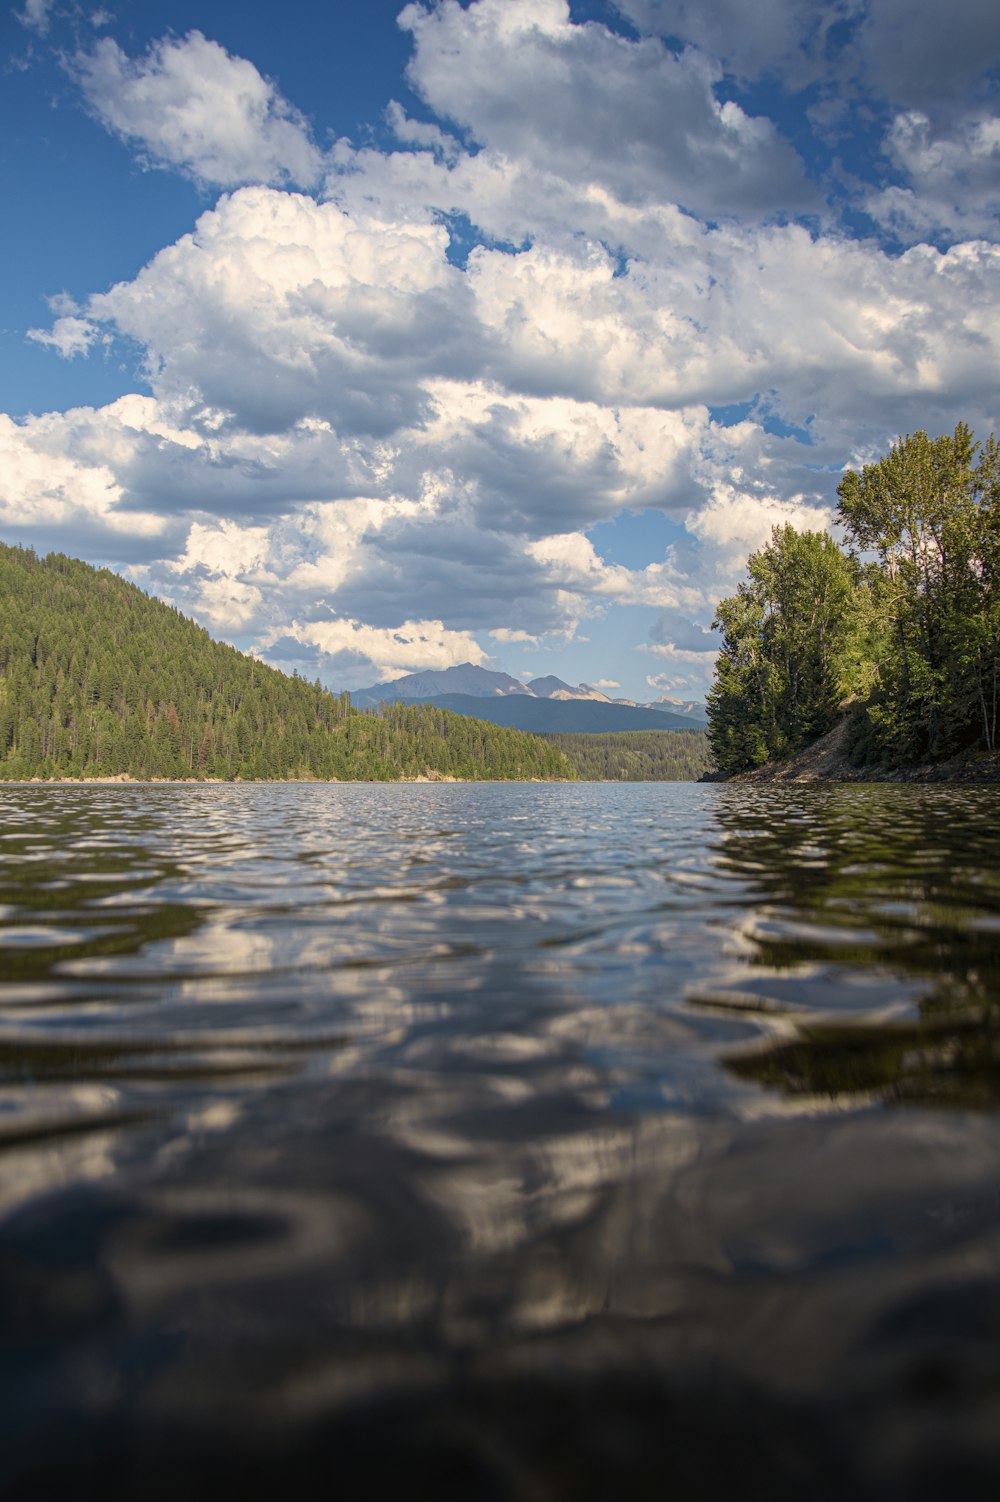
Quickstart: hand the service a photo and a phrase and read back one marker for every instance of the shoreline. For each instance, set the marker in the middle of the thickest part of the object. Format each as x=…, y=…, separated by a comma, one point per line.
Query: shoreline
x=124, y=779
x=825, y=761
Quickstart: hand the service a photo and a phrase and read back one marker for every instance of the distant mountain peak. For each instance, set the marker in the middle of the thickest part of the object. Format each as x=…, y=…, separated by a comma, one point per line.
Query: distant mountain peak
x=463, y=678
x=552, y=687
x=544, y=688
x=468, y=681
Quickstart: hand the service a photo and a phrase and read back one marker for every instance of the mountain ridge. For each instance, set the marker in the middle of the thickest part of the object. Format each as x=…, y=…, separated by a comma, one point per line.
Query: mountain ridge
x=467, y=681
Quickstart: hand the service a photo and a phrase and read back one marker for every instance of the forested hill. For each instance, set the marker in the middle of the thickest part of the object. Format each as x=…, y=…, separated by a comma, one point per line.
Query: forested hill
x=638, y=755
x=98, y=679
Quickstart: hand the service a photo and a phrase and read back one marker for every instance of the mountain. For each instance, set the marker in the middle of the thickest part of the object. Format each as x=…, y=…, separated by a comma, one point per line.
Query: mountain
x=466, y=678
x=554, y=688
x=562, y=716
x=466, y=682
x=689, y=708
x=98, y=679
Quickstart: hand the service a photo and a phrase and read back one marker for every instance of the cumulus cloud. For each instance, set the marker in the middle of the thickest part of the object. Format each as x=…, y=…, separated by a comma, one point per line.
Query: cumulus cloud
x=401, y=445
x=223, y=548
x=58, y=473
x=189, y=104
x=913, y=52
x=561, y=389
x=589, y=104
x=420, y=133
x=953, y=176
x=277, y=308
x=771, y=37
x=394, y=651
x=279, y=311
x=229, y=605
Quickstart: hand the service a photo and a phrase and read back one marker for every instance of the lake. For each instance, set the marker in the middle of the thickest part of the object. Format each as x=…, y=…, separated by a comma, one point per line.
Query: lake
x=506, y=1141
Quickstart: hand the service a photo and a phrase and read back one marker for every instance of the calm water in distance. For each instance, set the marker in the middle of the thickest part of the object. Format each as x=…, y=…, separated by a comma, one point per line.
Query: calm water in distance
x=486, y=1140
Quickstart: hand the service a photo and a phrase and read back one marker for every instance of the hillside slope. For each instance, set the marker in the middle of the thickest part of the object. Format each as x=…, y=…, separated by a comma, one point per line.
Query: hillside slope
x=562, y=716
x=98, y=679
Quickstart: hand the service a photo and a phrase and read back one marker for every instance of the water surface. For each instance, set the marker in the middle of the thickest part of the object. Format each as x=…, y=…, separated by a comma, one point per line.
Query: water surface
x=531, y=1140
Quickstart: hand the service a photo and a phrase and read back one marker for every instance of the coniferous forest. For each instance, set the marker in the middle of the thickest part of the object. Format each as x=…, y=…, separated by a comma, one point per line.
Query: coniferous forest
x=637, y=755
x=98, y=679
x=901, y=624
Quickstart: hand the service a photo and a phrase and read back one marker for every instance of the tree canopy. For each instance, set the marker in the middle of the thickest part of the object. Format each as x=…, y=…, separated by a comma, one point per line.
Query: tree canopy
x=785, y=643
x=927, y=517
x=904, y=620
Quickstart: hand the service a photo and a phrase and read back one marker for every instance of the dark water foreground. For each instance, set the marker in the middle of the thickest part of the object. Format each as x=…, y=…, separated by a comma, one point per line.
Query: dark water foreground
x=500, y=1142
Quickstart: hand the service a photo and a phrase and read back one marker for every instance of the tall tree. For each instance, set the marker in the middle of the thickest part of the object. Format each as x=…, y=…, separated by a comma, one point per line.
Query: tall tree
x=928, y=514
x=785, y=659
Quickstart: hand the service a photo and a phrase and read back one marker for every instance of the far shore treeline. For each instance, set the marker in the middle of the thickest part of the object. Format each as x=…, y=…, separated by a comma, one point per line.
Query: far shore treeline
x=636, y=755
x=902, y=623
x=99, y=679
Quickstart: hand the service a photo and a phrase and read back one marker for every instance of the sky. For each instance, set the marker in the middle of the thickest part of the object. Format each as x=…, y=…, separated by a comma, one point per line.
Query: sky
x=380, y=337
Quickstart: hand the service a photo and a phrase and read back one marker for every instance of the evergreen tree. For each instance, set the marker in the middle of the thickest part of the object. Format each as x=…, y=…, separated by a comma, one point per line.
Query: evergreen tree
x=98, y=679
x=636, y=755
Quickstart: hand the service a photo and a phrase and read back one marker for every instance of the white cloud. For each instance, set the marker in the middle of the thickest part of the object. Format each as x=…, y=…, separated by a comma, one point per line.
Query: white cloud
x=420, y=133
x=737, y=523
x=58, y=475
x=227, y=604
x=518, y=402
x=589, y=104
x=223, y=548
x=348, y=430
x=277, y=309
x=68, y=336
x=36, y=15
x=189, y=104
x=954, y=177
x=394, y=651
x=506, y=637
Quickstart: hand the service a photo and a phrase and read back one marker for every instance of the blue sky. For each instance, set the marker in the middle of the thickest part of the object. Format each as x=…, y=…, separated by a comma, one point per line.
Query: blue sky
x=384, y=337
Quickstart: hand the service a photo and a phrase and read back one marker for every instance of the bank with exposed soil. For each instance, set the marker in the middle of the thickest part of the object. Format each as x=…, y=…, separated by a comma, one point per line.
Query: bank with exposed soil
x=826, y=760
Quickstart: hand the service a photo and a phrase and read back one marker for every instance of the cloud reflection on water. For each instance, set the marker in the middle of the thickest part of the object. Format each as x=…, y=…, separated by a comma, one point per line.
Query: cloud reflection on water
x=432, y=1154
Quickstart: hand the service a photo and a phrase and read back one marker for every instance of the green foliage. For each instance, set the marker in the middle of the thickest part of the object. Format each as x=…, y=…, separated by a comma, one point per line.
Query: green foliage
x=929, y=512
x=97, y=679
x=787, y=655
x=637, y=755
x=906, y=623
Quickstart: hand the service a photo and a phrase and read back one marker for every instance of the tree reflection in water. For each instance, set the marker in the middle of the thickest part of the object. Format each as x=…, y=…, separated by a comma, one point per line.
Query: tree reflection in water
x=917, y=873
